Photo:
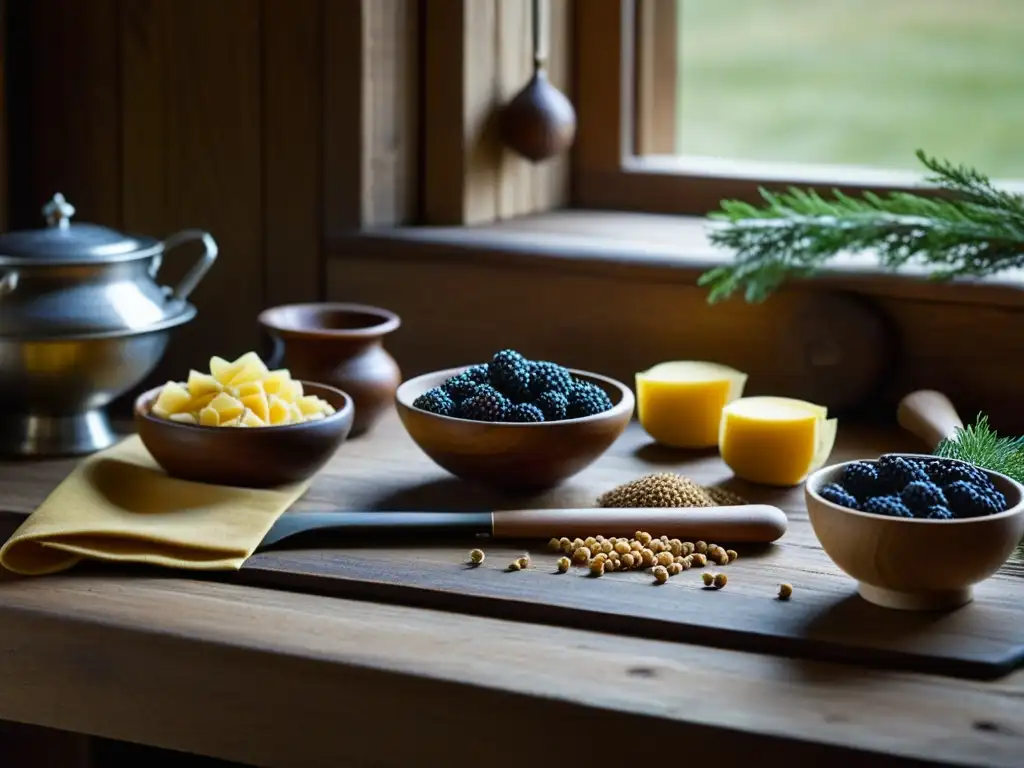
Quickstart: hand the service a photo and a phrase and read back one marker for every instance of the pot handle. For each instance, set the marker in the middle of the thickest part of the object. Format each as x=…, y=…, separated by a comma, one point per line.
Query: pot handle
x=198, y=271
x=8, y=282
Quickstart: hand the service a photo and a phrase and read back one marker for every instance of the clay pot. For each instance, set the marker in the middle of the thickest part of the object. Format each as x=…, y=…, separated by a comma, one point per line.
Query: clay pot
x=340, y=345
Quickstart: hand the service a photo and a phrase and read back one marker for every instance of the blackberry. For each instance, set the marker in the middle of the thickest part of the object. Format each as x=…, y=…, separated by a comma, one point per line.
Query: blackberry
x=861, y=480
x=461, y=386
x=553, y=405
x=946, y=471
x=435, y=400
x=478, y=373
x=587, y=399
x=524, y=412
x=896, y=472
x=486, y=405
x=549, y=377
x=967, y=500
x=890, y=506
x=939, y=512
x=919, y=496
x=835, y=493
x=510, y=374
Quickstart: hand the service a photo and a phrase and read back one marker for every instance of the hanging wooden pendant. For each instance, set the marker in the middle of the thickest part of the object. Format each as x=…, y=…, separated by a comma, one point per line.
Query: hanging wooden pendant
x=539, y=122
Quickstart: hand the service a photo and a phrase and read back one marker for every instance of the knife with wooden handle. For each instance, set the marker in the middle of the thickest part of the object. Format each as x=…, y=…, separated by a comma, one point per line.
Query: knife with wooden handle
x=747, y=523
x=929, y=415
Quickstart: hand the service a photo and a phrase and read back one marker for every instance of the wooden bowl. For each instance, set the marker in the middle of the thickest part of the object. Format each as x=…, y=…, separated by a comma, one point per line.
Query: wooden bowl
x=520, y=457
x=255, y=457
x=914, y=564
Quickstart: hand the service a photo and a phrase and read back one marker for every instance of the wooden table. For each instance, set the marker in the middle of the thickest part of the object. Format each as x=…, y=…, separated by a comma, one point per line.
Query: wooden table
x=277, y=678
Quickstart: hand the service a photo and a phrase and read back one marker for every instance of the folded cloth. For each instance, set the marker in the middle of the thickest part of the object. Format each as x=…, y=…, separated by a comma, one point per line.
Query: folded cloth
x=118, y=505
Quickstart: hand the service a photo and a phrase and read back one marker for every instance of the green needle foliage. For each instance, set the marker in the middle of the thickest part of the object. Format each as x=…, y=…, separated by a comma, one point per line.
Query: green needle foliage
x=973, y=230
x=979, y=444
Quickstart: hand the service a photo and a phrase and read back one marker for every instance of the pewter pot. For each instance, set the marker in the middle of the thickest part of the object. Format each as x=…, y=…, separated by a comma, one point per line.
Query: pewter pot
x=83, y=319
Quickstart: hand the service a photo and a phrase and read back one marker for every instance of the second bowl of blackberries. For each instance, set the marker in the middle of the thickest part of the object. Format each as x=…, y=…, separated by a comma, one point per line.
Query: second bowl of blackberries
x=513, y=421
x=916, y=531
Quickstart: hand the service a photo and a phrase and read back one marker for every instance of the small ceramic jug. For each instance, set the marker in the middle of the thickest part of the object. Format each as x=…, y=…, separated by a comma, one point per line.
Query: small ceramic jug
x=340, y=345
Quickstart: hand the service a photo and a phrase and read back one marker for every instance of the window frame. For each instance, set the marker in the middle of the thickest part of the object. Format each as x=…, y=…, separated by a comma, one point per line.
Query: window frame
x=609, y=171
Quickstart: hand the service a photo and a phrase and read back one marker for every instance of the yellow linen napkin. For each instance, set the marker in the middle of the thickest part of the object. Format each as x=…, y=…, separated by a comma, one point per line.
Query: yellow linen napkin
x=119, y=505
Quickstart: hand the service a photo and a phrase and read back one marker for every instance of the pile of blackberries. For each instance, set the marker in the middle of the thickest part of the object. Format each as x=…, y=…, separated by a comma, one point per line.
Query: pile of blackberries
x=923, y=488
x=511, y=388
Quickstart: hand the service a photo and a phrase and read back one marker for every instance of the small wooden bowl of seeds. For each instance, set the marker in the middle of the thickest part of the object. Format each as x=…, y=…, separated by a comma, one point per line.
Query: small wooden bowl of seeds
x=917, y=532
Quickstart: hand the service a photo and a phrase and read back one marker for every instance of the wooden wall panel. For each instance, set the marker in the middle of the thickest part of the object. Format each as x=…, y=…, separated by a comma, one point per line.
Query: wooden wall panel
x=191, y=113
x=478, y=54
x=457, y=311
x=292, y=136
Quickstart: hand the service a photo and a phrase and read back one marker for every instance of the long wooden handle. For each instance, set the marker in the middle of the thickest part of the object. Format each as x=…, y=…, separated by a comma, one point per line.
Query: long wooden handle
x=930, y=415
x=745, y=524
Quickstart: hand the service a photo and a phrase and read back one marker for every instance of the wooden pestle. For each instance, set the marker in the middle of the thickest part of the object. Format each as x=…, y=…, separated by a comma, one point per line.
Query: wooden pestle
x=929, y=415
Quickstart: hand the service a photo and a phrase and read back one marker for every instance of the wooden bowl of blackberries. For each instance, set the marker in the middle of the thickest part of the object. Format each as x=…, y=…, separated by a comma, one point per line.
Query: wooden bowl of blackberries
x=514, y=423
x=917, y=532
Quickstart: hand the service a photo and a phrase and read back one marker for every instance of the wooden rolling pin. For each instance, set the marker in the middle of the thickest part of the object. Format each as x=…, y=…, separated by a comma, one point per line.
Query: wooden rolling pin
x=929, y=415
x=740, y=524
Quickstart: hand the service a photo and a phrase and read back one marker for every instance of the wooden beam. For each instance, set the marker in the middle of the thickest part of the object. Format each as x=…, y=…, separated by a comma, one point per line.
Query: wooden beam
x=478, y=55
x=370, y=114
x=657, y=77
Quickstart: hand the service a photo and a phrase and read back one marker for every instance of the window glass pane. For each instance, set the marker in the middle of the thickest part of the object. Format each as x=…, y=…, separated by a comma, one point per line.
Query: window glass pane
x=853, y=82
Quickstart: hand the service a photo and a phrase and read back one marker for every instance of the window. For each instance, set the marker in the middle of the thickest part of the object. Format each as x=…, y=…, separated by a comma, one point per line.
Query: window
x=717, y=97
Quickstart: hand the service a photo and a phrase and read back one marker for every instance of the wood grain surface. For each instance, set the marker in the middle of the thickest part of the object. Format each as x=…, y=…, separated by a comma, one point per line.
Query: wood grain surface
x=825, y=619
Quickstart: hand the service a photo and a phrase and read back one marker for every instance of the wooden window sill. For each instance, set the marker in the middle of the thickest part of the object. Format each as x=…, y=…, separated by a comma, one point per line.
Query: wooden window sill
x=649, y=247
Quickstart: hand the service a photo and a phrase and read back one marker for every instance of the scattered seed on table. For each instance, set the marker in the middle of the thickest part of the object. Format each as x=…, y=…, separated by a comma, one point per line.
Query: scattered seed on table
x=701, y=547
x=566, y=545
x=708, y=578
x=597, y=567
x=514, y=565
x=524, y=562
x=661, y=574
x=607, y=547
x=732, y=553
x=675, y=569
x=664, y=558
x=688, y=548
x=646, y=557
x=675, y=546
x=555, y=545
x=656, y=545
x=627, y=560
x=699, y=560
x=476, y=556
x=563, y=564
x=720, y=580
x=785, y=591
x=581, y=555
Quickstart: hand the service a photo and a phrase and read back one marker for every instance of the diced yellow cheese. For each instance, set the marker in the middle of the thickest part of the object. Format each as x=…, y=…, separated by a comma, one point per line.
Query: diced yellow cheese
x=290, y=390
x=250, y=419
x=173, y=398
x=197, y=404
x=227, y=406
x=232, y=422
x=680, y=403
x=209, y=417
x=310, y=404
x=222, y=370
x=184, y=418
x=250, y=368
x=257, y=404
x=775, y=440
x=273, y=381
x=279, y=411
x=249, y=388
x=200, y=384
x=295, y=414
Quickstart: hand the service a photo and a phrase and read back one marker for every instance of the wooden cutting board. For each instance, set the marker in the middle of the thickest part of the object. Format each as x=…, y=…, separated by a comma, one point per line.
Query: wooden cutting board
x=825, y=619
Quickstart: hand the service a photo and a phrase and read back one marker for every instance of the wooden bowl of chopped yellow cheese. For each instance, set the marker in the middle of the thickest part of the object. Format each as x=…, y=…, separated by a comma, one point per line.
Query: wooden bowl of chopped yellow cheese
x=242, y=424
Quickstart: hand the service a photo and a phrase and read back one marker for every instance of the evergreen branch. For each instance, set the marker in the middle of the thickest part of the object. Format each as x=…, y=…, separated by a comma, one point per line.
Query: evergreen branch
x=979, y=444
x=977, y=232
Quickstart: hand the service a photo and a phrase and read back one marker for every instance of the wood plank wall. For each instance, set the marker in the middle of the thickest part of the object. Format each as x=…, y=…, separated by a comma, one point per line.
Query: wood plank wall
x=157, y=115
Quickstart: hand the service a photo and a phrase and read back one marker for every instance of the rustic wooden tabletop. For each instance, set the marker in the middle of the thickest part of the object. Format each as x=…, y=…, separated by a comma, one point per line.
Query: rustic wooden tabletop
x=396, y=654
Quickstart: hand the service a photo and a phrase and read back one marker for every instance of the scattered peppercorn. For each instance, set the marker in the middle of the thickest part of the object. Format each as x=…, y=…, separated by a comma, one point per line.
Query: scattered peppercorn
x=785, y=591
x=563, y=564
x=732, y=554
x=708, y=578
x=476, y=556
x=720, y=580
x=661, y=574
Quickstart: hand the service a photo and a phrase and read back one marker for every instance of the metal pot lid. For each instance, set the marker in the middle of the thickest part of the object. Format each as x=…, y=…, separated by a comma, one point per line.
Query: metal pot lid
x=61, y=241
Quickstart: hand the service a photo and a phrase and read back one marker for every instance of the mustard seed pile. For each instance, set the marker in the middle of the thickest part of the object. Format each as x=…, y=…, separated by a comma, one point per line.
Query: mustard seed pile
x=667, y=489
